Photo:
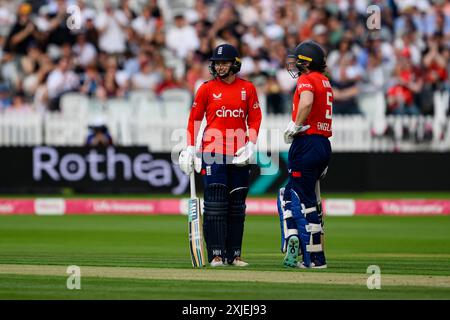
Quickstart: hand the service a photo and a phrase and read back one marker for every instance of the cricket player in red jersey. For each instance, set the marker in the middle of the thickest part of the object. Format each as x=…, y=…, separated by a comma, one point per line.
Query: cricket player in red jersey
x=307, y=132
x=233, y=118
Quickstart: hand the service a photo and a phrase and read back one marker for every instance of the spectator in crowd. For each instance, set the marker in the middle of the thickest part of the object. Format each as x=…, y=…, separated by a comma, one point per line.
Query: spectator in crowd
x=409, y=19
x=115, y=81
x=148, y=78
x=274, y=96
x=336, y=31
x=355, y=21
x=373, y=79
x=5, y=97
x=7, y=19
x=344, y=46
x=320, y=35
x=194, y=74
x=91, y=83
x=254, y=39
x=59, y=81
x=84, y=51
x=128, y=11
x=406, y=83
x=410, y=42
x=376, y=43
x=248, y=64
x=145, y=25
x=59, y=32
x=287, y=85
x=99, y=135
x=438, y=20
x=19, y=104
x=274, y=29
x=169, y=81
x=23, y=33
x=204, y=51
x=111, y=25
x=36, y=87
x=86, y=11
x=91, y=32
x=316, y=17
x=406, y=60
x=182, y=38
x=435, y=60
x=344, y=79
x=42, y=20
x=35, y=67
x=435, y=63
x=2, y=44
x=205, y=76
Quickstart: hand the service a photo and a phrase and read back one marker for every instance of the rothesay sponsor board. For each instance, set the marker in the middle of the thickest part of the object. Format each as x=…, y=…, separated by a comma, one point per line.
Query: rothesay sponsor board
x=122, y=169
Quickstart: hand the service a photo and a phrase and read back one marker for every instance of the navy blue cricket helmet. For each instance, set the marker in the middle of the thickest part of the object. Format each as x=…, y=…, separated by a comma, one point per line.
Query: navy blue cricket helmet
x=308, y=54
x=225, y=52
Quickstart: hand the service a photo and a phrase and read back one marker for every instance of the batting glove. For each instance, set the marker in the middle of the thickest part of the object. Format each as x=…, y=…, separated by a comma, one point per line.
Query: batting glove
x=245, y=154
x=291, y=130
x=186, y=160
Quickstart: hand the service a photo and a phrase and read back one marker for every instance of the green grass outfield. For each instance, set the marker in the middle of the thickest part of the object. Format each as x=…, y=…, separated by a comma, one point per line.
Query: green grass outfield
x=147, y=257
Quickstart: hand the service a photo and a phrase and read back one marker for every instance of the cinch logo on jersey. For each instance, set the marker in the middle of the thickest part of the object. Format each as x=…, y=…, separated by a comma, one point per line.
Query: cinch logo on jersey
x=304, y=85
x=226, y=113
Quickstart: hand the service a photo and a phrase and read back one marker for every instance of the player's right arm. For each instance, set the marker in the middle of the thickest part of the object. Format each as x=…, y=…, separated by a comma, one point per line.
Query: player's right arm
x=187, y=157
x=304, y=107
x=305, y=89
x=197, y=113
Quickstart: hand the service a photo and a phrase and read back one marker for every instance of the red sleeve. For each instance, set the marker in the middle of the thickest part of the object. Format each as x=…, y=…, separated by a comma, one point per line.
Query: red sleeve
x=197, y=114
x=304, y=84
x=254, y=115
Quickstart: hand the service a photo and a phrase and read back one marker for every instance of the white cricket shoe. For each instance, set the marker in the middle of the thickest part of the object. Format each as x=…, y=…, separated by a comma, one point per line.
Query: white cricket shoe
x=217, y=262
x=301, y=265
x=239, y=263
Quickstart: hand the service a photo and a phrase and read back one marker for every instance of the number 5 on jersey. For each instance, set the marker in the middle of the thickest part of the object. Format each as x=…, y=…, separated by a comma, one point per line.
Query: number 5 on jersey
x=329, y=111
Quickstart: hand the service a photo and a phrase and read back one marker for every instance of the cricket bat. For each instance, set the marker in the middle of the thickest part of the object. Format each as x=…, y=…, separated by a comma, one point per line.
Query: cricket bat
x=195, y=227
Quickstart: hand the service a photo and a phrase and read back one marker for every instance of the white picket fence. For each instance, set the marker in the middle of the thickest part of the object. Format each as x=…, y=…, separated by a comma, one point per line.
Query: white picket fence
x=160, y=123
x=21, y=128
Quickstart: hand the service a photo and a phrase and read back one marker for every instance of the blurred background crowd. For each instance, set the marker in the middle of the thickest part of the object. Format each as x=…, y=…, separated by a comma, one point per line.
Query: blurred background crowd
x=114, y=47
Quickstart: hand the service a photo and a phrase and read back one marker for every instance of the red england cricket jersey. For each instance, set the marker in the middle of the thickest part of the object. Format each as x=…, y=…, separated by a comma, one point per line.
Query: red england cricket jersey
x=232, y=112
x=320, y=116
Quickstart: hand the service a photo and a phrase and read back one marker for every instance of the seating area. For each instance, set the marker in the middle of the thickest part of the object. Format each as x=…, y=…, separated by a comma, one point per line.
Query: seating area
x=159, y=122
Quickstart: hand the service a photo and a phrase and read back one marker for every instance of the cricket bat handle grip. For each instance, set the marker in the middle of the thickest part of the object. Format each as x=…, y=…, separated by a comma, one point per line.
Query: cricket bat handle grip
x=193, y=191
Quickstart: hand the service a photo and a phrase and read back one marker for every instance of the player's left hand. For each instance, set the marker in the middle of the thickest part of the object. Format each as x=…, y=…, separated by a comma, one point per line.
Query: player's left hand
x=245, y=154
x=292, y=129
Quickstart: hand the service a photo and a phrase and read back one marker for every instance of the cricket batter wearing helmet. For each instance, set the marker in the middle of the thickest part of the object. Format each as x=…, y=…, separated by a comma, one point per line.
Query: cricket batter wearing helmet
x=233, y=118
x=309, y=155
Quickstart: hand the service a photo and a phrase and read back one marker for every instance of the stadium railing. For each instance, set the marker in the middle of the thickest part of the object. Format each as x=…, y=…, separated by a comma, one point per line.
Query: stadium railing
x=160, y=122
x=21, y=128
